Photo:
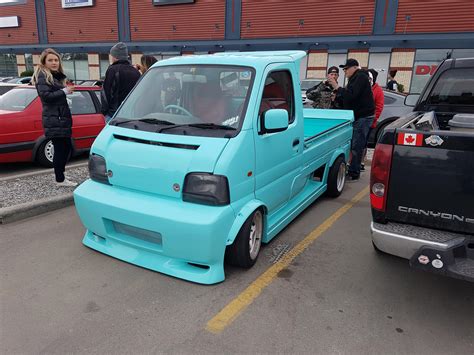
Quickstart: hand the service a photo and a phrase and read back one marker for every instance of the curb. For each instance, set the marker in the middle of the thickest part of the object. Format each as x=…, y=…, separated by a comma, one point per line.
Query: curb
x=35, y=208
x=41, y=172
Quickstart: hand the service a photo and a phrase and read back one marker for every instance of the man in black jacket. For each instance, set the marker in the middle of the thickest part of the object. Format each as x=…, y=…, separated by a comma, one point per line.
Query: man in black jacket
x=120, y=79
x=356, y=96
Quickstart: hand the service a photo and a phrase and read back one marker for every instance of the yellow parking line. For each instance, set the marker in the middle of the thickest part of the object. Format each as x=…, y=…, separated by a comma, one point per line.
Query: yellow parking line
x=230, y=312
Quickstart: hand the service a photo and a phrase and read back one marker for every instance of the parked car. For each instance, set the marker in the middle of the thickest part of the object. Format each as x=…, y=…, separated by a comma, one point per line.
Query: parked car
x=4, y=79
x=91, y=83
x=305, y=85
x=20, y=80
x=422, y=177
x=177, y=187
x=394, y=108
x=21, y=130
x=5, y=87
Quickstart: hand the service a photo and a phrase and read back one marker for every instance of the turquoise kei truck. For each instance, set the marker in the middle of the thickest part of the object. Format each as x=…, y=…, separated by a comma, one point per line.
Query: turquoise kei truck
x=208, y=157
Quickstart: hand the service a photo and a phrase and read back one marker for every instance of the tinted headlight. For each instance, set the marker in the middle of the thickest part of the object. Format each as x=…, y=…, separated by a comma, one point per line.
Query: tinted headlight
x=98, y=169
x=207, y=189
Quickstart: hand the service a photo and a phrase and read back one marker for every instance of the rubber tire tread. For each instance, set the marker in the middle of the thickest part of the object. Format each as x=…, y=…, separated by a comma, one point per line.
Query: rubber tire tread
x=238, y=253
x=41, y=157
x=332, y=178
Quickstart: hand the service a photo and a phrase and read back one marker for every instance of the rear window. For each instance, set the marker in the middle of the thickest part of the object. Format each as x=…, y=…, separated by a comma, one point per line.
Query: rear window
x=17, y=99
x=454, y=87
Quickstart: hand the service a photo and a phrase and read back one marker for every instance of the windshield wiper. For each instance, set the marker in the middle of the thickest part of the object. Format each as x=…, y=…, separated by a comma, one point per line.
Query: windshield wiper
x=147, y=120
x=200, y=125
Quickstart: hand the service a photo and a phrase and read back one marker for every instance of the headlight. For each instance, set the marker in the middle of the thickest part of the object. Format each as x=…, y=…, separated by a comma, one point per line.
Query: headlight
x=97, y=169
x=207, y=189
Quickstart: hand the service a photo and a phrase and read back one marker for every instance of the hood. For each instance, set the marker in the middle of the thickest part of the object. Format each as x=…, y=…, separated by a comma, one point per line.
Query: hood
x=154, y=163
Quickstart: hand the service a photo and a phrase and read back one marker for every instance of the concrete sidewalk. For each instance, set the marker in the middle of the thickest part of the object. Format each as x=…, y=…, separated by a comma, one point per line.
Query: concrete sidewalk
x=31, y=194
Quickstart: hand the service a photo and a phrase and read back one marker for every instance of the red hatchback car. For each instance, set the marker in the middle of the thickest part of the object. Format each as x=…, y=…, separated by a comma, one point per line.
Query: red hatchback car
x=21, y=130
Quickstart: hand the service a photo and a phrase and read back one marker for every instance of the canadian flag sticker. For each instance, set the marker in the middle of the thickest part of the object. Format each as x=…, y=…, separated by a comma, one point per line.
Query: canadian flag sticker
x=410, y=139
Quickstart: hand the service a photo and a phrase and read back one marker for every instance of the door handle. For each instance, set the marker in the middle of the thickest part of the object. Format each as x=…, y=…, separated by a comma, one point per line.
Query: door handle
x=296, y=142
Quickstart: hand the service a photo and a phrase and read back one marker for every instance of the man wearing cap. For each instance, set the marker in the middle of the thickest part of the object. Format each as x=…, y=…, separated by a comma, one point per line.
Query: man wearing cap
x=120, y=79
x=356, y=96
x=322, y=93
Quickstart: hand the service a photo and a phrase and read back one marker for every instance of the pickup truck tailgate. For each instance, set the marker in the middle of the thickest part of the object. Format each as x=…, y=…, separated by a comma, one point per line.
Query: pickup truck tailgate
x=432, y=180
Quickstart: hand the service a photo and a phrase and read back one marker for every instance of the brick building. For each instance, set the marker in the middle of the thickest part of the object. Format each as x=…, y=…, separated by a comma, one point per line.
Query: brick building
x=411, y=36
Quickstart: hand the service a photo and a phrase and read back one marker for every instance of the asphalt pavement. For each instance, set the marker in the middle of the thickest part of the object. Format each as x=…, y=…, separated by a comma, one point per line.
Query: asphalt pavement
x=336, y=296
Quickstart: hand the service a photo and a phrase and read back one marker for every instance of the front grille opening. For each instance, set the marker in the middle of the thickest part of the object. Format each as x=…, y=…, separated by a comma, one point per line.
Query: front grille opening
x=201, y=266
x=470, y=246
x=138, y=233
x=161, y=144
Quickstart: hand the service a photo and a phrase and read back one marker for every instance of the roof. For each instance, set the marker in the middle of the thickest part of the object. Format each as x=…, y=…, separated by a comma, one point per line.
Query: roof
x=251, y=59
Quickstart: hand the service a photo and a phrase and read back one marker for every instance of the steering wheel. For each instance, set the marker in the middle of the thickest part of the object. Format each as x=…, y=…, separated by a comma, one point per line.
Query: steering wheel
x=179, y=108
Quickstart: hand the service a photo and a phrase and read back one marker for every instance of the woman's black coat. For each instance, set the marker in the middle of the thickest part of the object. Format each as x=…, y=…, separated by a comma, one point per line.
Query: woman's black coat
x=57, y=118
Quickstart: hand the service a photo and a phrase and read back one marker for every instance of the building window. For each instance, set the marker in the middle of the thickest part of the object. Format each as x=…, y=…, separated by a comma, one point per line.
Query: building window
x=426, y=62
x=29, y=61
x=104, y=64
x=76, y=66
x=8, y=65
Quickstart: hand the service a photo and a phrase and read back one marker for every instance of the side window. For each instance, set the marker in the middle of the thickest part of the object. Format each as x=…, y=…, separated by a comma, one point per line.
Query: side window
x=80, y=103
x=97, y=94
x=454, y=87
x=278, y=93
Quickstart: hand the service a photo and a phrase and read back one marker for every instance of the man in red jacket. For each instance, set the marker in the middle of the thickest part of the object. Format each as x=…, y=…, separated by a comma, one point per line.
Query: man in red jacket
x=377, y=92
x=378, y=95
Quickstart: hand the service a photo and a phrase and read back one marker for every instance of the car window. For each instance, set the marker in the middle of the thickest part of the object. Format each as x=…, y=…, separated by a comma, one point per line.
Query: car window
x=307, y=84
x=97, y=93
x=454, y=87
x=17, y=99
x=389, y=100
x=80, y=103
x=278, y=93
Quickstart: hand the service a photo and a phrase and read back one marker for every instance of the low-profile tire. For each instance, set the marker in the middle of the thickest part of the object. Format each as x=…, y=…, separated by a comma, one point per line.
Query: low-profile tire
x=336, y=178
x=45, y=153
x=246, y=247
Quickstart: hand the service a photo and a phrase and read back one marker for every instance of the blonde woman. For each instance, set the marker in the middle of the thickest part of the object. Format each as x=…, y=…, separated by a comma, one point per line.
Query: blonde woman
x=50, y=83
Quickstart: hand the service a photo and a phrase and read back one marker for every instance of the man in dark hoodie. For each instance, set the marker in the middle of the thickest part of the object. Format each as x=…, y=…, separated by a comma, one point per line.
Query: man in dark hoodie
x=356, y=96
x=120, y=79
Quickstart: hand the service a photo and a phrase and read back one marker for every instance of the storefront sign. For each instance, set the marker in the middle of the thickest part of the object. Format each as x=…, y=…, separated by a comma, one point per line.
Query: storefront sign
x=425, y=69
x=76, y=3
x=12, y=2
x=9, y=21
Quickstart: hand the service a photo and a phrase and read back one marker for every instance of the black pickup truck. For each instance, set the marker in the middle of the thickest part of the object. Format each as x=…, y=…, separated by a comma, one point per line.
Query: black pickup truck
x=422, y=177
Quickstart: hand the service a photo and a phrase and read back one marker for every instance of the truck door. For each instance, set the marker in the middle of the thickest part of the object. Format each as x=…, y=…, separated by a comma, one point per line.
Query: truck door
x=278, y=155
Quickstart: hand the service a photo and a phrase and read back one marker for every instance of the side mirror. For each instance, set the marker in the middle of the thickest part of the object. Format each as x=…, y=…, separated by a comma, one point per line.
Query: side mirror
x=274, y=120
x=412, y=99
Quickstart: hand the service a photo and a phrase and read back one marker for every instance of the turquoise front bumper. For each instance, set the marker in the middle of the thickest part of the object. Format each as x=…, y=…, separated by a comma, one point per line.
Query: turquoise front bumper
x=167, y=235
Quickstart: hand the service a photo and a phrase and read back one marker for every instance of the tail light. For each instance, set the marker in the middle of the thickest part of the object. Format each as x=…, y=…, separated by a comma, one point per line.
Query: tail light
x=380, y=173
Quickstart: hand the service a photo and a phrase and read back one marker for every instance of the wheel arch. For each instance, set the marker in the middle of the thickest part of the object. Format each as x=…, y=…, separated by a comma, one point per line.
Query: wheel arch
x=244, y=213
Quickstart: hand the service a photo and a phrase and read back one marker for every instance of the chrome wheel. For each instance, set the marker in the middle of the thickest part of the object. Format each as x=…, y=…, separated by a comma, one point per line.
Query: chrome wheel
x=49, y=151
x=341, y=177
x=255, y=235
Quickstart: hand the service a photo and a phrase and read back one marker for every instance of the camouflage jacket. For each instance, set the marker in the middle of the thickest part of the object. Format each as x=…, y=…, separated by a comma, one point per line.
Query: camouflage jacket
x=321, y=96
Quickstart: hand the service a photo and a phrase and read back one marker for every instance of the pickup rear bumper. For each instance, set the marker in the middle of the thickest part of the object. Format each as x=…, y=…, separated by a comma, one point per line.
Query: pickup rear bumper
x=450, y=254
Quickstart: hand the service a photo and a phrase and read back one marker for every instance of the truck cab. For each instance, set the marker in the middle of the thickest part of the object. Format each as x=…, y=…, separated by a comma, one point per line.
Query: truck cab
x=209, y=157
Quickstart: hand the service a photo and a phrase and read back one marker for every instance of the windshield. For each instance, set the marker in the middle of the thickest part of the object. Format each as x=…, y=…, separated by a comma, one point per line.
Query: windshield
x=207, y=100
x=17, y=99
